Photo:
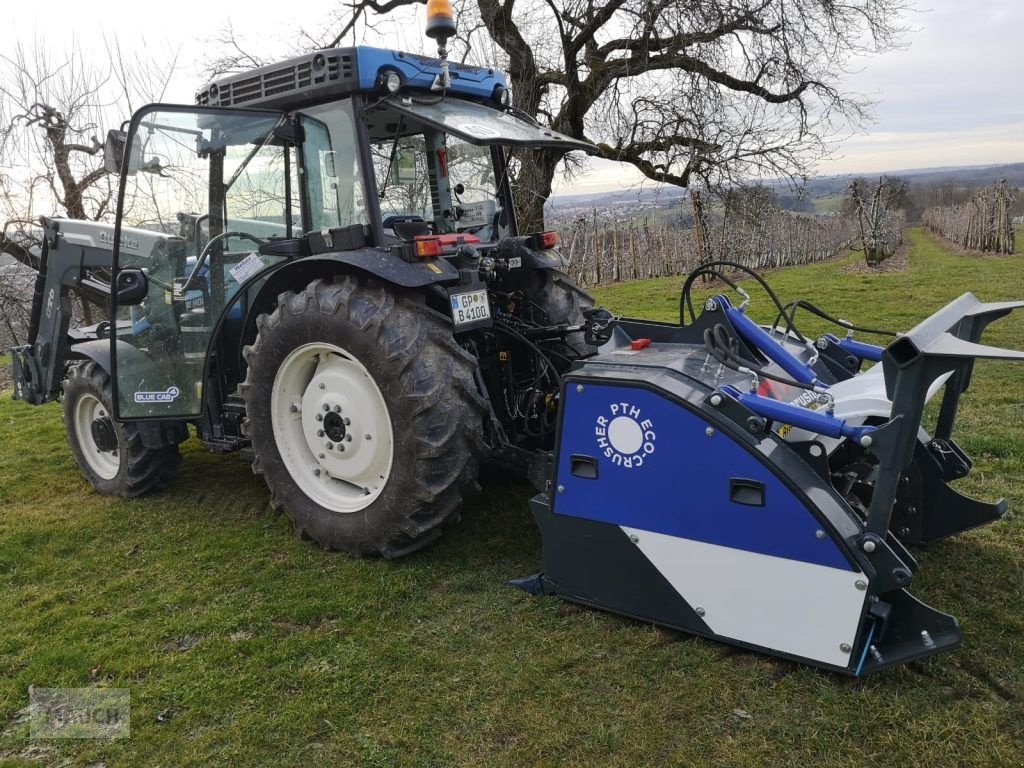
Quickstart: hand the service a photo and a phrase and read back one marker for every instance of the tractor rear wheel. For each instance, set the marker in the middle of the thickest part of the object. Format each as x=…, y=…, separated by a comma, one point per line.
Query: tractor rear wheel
x=555, y=300
x=364, y=416
x=112, y=456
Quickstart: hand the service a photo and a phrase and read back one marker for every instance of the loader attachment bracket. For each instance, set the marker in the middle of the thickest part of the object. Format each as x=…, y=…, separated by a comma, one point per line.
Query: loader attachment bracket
x=945, y=343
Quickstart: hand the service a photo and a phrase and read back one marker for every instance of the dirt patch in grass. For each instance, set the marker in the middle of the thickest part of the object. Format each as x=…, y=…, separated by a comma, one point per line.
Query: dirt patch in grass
x=895, y=263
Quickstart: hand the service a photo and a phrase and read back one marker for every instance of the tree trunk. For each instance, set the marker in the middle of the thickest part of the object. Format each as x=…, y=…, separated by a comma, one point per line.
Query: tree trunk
x=532, y=187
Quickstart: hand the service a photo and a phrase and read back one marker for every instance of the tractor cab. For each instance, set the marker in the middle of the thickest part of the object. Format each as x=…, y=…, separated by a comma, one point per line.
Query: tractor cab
x=354, y=156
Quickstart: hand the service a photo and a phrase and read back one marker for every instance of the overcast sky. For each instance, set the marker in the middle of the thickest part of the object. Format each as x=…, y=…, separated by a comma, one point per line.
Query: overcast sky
x=953, y=97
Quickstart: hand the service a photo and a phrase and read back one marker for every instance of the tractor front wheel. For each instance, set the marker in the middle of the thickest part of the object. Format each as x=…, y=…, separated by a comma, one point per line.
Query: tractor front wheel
x=364, y=416
x=111, y=455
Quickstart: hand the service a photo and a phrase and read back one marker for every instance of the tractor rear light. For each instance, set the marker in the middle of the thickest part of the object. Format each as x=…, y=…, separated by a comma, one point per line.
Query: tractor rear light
x=542, y=241
x=426, y=249
x=414, y=250
x=637, y=344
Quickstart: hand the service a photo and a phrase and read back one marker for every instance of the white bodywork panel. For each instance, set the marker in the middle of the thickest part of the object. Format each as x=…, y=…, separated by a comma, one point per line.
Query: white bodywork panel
x=789, y=606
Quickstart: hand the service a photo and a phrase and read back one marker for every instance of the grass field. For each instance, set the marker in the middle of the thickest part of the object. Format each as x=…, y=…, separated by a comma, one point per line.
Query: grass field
x=828, y=204
x=245, y=646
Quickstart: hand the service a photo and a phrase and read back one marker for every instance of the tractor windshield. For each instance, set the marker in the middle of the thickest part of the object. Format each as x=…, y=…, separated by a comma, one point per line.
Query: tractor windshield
x=442, y=162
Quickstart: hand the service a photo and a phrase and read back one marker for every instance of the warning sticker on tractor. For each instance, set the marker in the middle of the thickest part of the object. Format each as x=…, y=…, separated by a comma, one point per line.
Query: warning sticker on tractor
x=246, y=268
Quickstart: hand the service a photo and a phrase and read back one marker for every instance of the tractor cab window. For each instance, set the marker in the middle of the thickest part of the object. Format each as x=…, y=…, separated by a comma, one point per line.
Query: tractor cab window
x=204, y=190
x=330, y=164
x=426, y=175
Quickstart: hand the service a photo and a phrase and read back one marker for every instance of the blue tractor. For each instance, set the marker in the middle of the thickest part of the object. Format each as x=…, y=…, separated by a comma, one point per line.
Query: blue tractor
x=319, y=265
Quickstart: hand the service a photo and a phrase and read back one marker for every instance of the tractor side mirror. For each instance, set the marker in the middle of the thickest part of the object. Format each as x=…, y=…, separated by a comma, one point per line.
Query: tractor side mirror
x=131, y=287
x=113, y=153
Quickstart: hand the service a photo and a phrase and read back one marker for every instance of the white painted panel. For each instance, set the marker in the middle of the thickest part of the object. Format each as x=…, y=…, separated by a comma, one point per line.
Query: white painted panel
x=799, y=608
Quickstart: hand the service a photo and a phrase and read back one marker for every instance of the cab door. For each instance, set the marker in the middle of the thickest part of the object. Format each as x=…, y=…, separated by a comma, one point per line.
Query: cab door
x=201, y=190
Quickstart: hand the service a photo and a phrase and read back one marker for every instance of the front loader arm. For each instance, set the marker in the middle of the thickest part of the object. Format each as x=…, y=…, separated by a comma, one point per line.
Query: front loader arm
x=38, y=366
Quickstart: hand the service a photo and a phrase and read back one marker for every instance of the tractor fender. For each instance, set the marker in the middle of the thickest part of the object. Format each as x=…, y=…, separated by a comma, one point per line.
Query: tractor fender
x=529, y=258
x=373, y=262
x=154, y=434
x=385, y=266
x=99, y=351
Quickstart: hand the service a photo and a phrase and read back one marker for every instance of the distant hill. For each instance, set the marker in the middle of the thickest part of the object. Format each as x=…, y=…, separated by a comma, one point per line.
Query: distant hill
x=821, y=186
x=960, y=176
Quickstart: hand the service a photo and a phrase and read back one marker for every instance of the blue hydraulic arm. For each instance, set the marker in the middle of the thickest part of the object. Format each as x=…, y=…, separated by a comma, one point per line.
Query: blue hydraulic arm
x=812, y=421
x=757, y=337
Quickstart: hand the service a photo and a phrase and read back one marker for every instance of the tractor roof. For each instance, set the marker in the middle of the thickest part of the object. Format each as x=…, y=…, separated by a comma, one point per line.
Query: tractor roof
x=337, y=72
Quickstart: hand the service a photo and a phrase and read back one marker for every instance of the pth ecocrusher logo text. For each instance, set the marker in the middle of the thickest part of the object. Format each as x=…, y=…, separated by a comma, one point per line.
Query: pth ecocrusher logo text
x=624, y=436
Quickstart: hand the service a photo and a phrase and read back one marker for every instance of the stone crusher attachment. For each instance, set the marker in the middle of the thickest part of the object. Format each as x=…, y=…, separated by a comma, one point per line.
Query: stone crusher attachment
x=745, y=484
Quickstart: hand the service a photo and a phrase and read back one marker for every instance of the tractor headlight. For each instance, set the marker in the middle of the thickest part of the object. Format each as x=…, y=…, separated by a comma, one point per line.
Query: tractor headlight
x=503, y=96
x=390, y=80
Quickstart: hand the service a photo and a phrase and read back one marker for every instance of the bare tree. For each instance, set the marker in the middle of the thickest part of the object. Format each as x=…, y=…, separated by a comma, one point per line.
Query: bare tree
x=54, y=107
x=879, y=213
x=710, y=91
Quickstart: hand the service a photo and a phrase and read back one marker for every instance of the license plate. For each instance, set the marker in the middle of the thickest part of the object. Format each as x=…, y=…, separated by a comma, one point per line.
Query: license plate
x=470, y=307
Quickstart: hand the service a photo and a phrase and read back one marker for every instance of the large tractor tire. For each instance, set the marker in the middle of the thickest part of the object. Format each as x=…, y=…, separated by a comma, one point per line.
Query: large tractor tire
x=364, y=417
x=112, y=456
x=555, y=300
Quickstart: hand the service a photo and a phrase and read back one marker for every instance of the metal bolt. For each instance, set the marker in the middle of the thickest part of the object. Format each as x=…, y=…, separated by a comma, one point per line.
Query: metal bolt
x=845, y=647
x=865, y=441
x=337, y=409
x=322, y=385
x=316, y=472
x=347, y=420
x=293, y=408
x=861, y=584
x=320, y=433
x=348, y=438
x=815, y=449
x=634, y=538
x=330, y=446
x=699, y=611
x=320, y=456
x=319, y=417
x=716, y=400
x=710, y=431
x=326, y=407
x=869, y=546
x=579, y=387
x=819, y=534
x=367, y=436
x=561, y=489
x=341, y=448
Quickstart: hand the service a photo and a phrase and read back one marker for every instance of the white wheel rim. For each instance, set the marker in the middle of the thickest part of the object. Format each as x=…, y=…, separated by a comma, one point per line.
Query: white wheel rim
x=88, y=409
x=332, y=427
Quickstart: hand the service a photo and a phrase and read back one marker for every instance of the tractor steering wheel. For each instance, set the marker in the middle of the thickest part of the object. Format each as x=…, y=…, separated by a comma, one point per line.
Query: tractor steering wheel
x=206, y=252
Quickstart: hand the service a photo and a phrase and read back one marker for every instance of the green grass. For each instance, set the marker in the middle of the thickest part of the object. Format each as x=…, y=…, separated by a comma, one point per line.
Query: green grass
x=828, y=204
x=296, y=657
